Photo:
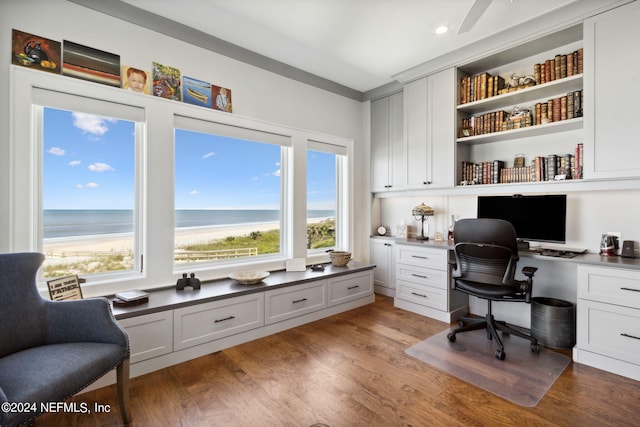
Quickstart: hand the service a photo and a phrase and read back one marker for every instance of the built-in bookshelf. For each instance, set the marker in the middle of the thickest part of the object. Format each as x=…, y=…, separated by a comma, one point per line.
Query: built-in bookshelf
x=524, y=101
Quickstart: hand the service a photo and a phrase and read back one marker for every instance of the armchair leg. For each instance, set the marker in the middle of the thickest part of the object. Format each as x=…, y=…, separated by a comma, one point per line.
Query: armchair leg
x=122, y=374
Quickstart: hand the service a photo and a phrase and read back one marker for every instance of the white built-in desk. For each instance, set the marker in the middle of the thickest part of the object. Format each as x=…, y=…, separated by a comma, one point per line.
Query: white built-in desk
x=606, y=291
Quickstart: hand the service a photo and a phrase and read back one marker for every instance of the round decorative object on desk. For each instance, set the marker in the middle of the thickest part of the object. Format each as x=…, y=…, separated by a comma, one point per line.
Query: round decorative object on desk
x=249, y=277
x=382, y=230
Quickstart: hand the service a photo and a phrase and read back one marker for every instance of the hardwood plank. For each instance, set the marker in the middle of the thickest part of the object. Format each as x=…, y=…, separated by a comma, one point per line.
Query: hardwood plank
x=348, y=370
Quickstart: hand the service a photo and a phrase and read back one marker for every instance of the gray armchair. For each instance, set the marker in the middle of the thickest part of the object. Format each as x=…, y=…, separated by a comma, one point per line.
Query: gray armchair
x=51, y=350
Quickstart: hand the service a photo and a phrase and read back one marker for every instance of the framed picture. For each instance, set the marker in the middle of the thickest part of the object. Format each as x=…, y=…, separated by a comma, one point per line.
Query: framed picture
x=166, y=82
x=196, y=92
x=222, y=98
x=65, y=288
x=136, y=80
x=91, y=64
x=35, y=52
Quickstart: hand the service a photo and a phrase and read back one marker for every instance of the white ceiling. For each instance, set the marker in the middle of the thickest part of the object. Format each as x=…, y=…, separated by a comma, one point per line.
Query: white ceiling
x=360, y=44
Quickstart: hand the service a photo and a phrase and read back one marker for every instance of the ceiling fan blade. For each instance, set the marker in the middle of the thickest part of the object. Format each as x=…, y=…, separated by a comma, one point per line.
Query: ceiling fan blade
x=477, y=9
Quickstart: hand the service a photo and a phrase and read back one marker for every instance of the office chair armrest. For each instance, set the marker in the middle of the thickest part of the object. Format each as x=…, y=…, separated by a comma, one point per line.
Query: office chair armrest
x=529, y=271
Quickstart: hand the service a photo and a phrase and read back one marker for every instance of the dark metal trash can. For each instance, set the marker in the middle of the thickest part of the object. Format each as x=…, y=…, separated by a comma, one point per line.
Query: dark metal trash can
x=553, y=322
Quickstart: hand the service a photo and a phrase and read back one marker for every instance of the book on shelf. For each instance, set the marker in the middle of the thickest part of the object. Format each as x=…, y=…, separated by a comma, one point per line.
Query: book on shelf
x=551, y=167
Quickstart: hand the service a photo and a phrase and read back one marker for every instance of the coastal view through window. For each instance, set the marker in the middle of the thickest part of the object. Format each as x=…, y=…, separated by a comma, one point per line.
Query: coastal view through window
x=227, y=197
x=322, y=201
x=88, y=193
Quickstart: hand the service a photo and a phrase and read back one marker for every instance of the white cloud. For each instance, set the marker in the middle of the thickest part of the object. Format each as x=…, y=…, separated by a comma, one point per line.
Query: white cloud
x=276, y=173
x=90, y=123
x=210, y=154
x=74, y=162
x=87, y=185
x=100, y=167
x=194, y=192
x=56, y=151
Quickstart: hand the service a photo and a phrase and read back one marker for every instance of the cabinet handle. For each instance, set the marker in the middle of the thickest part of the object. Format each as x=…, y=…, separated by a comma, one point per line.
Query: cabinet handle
x=298, y=300
x=222, y=320
x=353, y=287
x=419, y=295
x=419, y=275
x=419, y=257
x=630, y=289
x=630, y=336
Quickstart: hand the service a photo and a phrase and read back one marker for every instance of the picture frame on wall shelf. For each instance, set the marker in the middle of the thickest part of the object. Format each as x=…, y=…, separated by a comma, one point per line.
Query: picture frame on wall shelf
x=87, y=63
x=65, y=288
x=222, y=97
x=36, y=52
x=136, y=80
x=196, y=92
x=166, y=82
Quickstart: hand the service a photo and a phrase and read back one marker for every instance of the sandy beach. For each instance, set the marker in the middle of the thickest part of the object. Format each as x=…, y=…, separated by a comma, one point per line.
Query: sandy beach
x=123, y=242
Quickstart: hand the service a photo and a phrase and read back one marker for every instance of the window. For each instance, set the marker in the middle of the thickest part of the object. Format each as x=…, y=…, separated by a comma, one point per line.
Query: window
x=228, y=194
x=88, y=193
x=325, y=171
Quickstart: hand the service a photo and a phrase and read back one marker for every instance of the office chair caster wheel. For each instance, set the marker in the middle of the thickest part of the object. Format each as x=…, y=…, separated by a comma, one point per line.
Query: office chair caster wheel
x=500, y=354
x=535, y=347
x=451, y=337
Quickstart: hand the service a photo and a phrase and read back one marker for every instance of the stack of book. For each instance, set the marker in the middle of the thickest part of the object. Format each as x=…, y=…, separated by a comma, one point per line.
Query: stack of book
x=559, y=67
x=130, y=298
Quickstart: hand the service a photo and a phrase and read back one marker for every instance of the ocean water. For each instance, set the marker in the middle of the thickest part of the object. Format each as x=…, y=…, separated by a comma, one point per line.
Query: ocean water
x=59, y=223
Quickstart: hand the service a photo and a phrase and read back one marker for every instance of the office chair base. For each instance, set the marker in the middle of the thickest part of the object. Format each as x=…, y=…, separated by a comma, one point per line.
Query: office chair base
x=492, y=326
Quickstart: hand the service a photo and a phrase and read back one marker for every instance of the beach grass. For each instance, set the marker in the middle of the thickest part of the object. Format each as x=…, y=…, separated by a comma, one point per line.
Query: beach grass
x=320, y=235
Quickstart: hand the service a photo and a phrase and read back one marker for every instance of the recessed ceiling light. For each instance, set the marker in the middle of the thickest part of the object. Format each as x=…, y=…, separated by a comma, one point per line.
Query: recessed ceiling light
x=442, y=29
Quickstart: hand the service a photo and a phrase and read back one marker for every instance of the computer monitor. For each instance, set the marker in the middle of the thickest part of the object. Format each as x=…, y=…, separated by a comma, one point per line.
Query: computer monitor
x=539, y=218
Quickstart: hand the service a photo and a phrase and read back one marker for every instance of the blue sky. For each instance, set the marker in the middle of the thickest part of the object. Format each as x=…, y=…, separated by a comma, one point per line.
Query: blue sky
x=89, y=164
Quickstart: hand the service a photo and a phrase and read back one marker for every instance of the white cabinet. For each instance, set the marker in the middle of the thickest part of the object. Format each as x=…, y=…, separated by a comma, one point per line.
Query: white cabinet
x=388, y=158
x=429, y=130
x=423, y=283
x=612, y=89
x=202, y=323
x=350, y=287
x=150, y=335
x=292, y=301
x=384, y=275
x=608, y=319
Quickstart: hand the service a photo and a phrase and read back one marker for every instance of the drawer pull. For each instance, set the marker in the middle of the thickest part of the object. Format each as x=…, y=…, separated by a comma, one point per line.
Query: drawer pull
x=225, y=319
x=419, y=295
x=419, y=257
x=298, y=300
x=353, y=287
x=630, y=289
x=419, y=275
x=630, y=336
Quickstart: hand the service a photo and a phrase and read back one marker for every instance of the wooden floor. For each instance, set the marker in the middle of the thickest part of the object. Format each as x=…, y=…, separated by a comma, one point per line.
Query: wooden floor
x=349, y=370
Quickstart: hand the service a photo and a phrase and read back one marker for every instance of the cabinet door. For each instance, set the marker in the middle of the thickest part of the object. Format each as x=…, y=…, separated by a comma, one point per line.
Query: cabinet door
x=380, y=154
x=430, y=130
x=150, y=335
x=293, y=301
x=387, y=150
x=612, y=89
x=442, y=128
x=381, y=256
x=349, y=287
x=416, y=132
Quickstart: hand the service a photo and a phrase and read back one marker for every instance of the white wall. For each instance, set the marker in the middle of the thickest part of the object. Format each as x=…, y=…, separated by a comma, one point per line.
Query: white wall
x=256, y=93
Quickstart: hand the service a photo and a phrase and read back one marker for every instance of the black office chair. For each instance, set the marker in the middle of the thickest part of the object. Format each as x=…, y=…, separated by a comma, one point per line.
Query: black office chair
x=486, y=254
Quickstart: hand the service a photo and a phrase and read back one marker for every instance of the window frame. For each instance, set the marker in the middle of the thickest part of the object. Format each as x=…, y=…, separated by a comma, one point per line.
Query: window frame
x=156, y=213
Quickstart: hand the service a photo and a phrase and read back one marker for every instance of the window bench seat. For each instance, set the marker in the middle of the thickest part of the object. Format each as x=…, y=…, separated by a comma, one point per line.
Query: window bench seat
x=176, y=326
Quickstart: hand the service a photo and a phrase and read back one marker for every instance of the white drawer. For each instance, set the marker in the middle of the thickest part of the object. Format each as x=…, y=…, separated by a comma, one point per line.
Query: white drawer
x=609, y=330
x=423, y=257
x=350, y=287
x=150, y=335
x=613, y=285
x=293, y=301
x=423, y=295
x=422, y=276
x=202, y=323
